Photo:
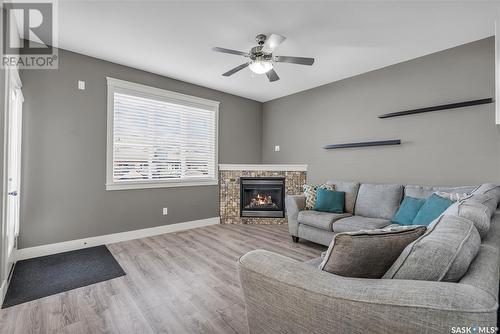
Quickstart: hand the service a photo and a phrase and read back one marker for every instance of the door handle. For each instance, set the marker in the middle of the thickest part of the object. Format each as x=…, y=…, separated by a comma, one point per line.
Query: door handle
x=13, y=193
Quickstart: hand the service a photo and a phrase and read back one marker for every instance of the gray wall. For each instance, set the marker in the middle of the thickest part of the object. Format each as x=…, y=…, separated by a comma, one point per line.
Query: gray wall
x=64, y=155
x=64, y=148
x=460, y=146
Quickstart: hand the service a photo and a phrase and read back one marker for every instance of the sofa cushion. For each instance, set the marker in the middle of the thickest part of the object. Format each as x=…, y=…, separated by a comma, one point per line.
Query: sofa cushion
x=368, y=254
x=433, y=207
x=351, y=192
x=314, y=234
x=476, y=212
x=483, y=271
x=426, y=191
x=378, y=200
x=322, y=220
x=493, y=236
x=443, y=253
x=490, y=189
x=357, y=223
x=486, y=200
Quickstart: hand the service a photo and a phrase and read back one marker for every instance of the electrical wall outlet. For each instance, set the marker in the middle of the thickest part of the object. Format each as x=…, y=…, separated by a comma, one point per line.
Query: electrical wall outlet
x=81, y=85
x=276, y=148
x=165, y=211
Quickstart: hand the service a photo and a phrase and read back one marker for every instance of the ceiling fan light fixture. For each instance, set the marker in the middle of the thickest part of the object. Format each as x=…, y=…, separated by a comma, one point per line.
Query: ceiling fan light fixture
x=262, y=58
x=260, y=66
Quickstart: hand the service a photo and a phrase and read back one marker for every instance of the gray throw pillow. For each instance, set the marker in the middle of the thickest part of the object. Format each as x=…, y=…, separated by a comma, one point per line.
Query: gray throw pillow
x=443, y=253
x=476, y=212
x=489, y=189
x=370, y=253
x=485, y=199
x=378, y=200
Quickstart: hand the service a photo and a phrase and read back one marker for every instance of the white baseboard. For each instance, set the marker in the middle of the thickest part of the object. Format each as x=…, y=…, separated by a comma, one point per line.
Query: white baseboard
x=31, y=252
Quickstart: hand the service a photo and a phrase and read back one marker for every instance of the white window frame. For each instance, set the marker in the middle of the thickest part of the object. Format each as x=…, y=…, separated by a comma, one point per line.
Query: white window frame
x=116, y=85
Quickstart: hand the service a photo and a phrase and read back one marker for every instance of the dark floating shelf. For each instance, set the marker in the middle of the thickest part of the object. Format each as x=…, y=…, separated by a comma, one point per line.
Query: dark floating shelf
x=364, y=144
x=436, y=108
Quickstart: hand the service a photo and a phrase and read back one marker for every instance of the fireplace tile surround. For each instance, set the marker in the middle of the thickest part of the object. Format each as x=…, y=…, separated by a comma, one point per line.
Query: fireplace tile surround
x=229, y=188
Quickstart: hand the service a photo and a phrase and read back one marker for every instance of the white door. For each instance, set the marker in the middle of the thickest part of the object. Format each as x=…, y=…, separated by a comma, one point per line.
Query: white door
x=13, y=127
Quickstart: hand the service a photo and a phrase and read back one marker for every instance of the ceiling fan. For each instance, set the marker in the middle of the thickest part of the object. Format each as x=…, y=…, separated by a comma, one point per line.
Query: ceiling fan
x=262, y=58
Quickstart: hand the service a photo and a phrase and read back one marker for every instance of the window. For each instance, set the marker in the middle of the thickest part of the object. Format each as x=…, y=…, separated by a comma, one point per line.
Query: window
x=158, y=138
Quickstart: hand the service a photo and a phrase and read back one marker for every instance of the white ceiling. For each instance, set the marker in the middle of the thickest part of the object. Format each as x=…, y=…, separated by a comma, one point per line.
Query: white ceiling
x=174, y=38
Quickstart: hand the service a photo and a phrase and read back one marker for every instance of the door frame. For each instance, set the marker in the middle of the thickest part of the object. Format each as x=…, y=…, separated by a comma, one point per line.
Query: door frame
x=11, y=75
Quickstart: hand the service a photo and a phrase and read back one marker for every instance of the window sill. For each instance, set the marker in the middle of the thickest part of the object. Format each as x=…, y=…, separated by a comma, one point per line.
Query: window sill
x=131, y=186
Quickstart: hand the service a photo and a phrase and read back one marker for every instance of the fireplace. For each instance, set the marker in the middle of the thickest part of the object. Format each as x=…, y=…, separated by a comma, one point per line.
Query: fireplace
x=262, y=197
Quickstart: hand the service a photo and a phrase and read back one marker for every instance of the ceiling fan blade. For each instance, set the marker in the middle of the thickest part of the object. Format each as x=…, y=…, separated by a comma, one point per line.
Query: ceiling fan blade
x=294, y=60
x=233, y=52
x=272, y=42
x=236, y=69
x=272, y=75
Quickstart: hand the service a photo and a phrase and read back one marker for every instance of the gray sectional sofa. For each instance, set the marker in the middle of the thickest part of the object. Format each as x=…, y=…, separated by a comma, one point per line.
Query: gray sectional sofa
x=283, y=295
x=367, y=207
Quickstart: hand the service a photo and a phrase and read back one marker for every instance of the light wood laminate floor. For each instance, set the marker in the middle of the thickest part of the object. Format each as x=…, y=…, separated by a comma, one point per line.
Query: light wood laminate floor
x=184, y=282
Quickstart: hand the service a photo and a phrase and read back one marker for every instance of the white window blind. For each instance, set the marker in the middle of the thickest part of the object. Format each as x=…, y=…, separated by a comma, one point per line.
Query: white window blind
x=160, y=138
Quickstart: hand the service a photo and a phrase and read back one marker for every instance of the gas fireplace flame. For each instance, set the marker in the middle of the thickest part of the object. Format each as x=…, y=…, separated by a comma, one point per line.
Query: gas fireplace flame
x=261, y=201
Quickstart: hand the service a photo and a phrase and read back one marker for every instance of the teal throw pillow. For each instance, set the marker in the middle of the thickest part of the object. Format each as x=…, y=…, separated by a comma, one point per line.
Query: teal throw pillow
x=433, y=207
x=329, y=201
x=408, y=210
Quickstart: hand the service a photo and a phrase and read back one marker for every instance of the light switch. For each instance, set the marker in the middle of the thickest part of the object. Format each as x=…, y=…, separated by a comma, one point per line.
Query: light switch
x=81, y=85
x=276, y=148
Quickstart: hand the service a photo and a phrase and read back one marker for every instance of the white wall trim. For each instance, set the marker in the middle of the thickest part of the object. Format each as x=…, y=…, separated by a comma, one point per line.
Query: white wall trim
x=155, y=184
x=31, y=252
x=262, y=167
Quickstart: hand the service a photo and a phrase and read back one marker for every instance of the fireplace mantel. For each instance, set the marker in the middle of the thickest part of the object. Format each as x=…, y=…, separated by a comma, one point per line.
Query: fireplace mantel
x=264, y=167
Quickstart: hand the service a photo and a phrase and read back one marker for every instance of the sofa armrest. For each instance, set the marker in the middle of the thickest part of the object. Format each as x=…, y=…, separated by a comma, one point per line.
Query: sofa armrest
x=294, y=204
x=286, y=296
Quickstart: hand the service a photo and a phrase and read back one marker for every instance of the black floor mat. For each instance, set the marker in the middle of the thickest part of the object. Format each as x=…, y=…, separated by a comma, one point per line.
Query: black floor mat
x=47, y=275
